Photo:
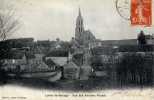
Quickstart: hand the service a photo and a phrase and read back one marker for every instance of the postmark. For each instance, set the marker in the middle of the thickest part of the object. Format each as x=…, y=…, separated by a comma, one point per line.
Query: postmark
x=123, y=8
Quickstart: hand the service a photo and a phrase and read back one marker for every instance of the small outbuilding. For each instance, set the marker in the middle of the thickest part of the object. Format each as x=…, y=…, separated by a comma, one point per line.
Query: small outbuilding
x=71, y=71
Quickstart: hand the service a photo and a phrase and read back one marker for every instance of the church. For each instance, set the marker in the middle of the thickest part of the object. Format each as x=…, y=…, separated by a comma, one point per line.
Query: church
x=83, y=37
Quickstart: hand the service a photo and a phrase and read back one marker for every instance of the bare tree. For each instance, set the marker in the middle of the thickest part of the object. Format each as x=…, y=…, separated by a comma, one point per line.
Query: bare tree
x=8, y=22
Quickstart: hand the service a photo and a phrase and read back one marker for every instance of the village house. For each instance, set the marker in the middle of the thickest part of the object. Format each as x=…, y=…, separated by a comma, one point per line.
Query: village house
x=71, y=71
x=59, y=57
x=104, y=60
x=62, y=59
x=35, y=62
x=15, y=61
x=51, y=64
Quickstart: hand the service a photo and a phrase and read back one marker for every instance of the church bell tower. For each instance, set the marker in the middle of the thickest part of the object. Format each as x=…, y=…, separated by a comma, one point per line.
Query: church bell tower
x=79, y=27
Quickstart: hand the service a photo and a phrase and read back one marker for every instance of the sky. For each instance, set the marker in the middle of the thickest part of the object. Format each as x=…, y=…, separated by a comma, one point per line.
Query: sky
x=51, y=19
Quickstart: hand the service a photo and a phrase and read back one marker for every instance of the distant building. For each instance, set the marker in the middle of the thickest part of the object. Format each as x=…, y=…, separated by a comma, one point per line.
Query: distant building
x=58, y=43
x=43, y=46
x=44, y=43
x=150, y=39
x=18, y=43
x=74, y=44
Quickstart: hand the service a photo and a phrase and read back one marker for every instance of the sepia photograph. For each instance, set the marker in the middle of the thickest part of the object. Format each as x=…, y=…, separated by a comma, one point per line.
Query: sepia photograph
x=76, y=49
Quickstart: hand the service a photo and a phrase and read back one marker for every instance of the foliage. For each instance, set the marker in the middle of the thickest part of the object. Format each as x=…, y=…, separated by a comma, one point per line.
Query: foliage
x=8, y=22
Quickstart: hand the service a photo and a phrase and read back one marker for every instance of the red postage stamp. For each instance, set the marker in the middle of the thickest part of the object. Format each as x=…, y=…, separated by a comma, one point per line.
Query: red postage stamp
x=141, y=12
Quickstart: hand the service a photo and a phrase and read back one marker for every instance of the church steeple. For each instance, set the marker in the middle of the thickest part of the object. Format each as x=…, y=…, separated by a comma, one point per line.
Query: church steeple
x=79, y=26
x=79, y=12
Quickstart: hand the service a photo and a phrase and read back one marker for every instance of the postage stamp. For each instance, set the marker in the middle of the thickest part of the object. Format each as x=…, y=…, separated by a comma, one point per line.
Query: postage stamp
x=141, y=12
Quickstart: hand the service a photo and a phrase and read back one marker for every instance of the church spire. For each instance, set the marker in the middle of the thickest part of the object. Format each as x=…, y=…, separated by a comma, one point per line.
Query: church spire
x=79, y=26
x=79, y=11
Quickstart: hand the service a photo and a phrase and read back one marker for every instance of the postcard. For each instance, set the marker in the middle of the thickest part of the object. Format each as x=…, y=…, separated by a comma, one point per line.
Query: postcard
x=76, y=50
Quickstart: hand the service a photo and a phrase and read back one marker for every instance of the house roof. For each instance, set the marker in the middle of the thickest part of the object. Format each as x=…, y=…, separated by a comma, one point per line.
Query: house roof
x=60, y=61
x=14, y=55
x=30, y=55
x=58, y=53
x=50, y=62
x=86, y=66
x=70, y=65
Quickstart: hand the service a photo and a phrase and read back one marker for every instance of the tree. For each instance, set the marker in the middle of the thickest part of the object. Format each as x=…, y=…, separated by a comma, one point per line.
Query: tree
x=141, y=38
x=8, y=25
x=8, y=22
